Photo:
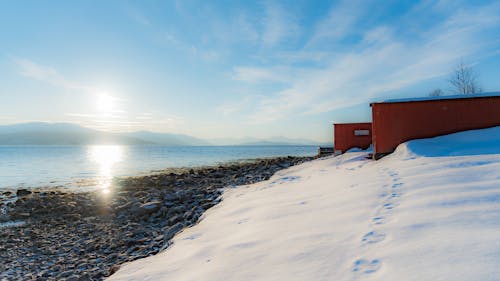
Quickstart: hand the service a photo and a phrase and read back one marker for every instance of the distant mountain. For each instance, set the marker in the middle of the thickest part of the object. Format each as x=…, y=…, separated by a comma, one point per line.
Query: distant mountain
x=40, y=133
x=167, y=139
x=265, y=142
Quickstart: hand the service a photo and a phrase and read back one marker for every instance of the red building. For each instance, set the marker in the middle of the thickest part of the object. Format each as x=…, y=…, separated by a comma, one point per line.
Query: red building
x=350, y=135
x=397, y=121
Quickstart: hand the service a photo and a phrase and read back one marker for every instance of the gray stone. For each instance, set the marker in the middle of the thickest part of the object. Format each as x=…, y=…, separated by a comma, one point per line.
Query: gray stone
x=22, y=192
x=150, y=207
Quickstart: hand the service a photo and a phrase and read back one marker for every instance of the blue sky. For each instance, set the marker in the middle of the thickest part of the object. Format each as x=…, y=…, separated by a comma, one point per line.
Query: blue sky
x=230, y=69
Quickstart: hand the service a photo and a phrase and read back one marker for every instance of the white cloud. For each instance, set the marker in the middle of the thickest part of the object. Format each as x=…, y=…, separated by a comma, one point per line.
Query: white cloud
x=379, y=64
x=157, y=122
x=278, y=25
x=262, y=74
x=46, y=74
x=339, y=22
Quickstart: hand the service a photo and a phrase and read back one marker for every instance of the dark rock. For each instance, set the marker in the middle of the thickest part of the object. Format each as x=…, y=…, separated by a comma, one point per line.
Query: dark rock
x=113, y=269
x=151, y=207
x=171, y=231
x=174, y=219
x=69, y=235
x=23, y=192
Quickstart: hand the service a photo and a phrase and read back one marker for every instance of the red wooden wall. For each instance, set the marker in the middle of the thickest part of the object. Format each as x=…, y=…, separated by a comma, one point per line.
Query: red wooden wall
x=397, y=122
x=345, y=138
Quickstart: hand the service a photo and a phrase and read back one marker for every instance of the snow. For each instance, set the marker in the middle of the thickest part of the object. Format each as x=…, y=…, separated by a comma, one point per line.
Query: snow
x=458, y=144
x=429, y=211
x=461, y=96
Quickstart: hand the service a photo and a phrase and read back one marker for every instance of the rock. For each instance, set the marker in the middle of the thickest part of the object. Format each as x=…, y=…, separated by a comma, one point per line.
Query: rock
x=207, y=205
x=189, y=215
x=113, y=269
x=174, y=219
x=171, y=231
x=24, y=215
x=150, y=207
x=82, y=235
x=158, y=238
x=73, y=278
x=124, y=206
x=65, y=273
x=22, y=192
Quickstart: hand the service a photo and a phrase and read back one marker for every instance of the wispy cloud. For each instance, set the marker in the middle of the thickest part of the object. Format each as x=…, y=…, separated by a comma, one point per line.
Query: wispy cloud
x=262, y=74
x=169, y=39
x=382, y=61
x=33, y=70
x=339, y=22
x=127, y=121
x=278, y=24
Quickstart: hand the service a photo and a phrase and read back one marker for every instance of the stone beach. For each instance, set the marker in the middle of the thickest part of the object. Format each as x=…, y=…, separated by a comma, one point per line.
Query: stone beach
x=61, y=235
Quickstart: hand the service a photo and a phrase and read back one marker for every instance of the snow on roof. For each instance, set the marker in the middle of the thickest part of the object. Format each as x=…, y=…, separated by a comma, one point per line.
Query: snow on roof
x=462, y=96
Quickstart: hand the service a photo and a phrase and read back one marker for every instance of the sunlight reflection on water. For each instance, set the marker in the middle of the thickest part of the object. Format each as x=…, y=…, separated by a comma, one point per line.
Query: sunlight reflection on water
x=82, y=167
x=105, y=156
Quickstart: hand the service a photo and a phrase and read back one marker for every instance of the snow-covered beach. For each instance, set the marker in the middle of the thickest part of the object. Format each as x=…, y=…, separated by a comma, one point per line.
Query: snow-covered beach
x=429, y=211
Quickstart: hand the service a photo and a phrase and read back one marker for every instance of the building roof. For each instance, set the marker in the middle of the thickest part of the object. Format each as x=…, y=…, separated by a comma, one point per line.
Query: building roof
x=452, y=97
x=353, y=123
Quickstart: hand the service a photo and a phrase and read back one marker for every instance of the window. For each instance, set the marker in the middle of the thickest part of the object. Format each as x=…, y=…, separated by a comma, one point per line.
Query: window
x=361, y=132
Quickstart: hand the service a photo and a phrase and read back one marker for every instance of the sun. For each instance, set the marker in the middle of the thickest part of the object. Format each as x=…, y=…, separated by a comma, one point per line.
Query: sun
x=105, y=102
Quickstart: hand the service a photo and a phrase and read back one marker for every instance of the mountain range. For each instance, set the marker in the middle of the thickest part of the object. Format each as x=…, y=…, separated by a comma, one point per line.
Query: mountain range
x=41, y=133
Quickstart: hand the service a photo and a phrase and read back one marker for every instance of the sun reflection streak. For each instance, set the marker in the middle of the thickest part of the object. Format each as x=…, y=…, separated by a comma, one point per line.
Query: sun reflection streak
x=105, y=156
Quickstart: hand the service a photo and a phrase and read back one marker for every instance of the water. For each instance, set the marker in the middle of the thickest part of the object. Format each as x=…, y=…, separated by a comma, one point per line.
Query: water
x=94, y=166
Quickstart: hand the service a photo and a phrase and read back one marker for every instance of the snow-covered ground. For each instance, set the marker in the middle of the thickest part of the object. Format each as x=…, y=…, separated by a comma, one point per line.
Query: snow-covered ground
x=430, y=211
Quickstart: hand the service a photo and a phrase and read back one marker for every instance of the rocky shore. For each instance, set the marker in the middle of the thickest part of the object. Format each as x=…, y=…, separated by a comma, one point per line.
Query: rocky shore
x=58, y=235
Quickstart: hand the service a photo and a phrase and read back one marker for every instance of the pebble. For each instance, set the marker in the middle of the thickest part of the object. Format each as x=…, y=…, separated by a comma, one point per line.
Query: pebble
x=85, y=236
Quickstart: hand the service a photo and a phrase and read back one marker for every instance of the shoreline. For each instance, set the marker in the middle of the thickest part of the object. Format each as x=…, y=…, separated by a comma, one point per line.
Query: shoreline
x=90, y=184
x=86, y=167
x=86, y=235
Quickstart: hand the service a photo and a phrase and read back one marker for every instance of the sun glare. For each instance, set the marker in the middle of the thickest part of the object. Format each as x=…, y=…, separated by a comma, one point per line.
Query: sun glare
x=105, y=156
x=105, y=102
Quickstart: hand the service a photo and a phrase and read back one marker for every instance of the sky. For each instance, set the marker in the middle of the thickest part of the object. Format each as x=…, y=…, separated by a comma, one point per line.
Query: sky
x=234, y=69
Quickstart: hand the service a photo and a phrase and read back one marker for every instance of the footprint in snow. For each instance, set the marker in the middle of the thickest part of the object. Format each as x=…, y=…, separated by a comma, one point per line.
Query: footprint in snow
x=285, y=179
x=366, y=266
x=378, y=220
x=373, y=237
x=396, y=185
x=243, y=221
x=193, y=237
x=389, y=206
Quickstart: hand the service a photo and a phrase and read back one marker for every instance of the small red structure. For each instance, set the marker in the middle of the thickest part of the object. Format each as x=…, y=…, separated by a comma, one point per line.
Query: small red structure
x=397, y=121
x=349, y=135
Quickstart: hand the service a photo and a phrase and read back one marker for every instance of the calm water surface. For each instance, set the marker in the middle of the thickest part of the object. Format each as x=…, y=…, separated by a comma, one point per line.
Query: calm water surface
x=95, y=166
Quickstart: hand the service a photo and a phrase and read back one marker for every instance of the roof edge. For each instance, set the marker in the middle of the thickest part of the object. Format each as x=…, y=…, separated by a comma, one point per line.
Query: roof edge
x=453, y=97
